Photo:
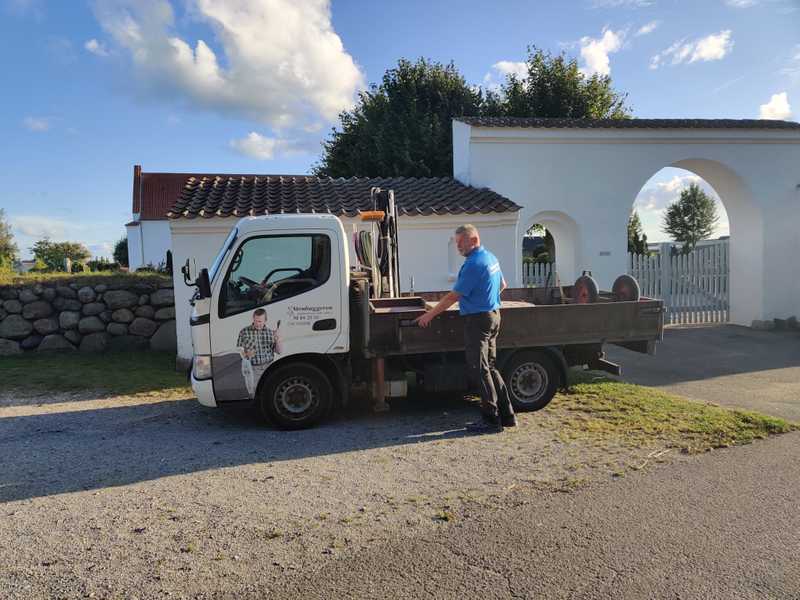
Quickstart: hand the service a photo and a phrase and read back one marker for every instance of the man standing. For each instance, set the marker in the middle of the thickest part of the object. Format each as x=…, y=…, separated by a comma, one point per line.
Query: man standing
x=258, y=346
x=477, y=292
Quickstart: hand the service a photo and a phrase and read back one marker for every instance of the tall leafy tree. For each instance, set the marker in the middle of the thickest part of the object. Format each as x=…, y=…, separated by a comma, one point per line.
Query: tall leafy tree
x=403, y=127
x=54, y=253
x=121, y=251
x=691, y=218
x=8, y=248
x=637, y=239
x=554, y=87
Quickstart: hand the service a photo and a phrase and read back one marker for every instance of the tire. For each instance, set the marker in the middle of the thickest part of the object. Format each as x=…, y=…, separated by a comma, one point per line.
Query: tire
x=296, y=396
x=532, y=379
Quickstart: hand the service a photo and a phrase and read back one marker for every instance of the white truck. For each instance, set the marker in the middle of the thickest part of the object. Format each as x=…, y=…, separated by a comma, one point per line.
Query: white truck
x=285, y=319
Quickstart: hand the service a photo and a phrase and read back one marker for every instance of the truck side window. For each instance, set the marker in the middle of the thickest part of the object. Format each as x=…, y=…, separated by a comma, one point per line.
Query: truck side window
x=271, y=268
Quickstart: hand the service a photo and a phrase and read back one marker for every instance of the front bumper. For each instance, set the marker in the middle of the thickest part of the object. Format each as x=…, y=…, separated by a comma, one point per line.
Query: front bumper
x=204, y=390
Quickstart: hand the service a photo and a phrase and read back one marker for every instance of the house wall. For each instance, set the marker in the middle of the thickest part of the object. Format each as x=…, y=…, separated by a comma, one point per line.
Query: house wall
x=148, y=242
x=589, y=179
x=427, y=252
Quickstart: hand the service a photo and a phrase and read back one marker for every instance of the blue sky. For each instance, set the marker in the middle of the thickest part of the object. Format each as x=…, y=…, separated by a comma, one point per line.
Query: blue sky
x=92, y=88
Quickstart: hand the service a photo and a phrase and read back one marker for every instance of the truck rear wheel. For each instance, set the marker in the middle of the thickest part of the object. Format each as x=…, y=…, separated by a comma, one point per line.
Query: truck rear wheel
x=532, y=379
x=297, y=396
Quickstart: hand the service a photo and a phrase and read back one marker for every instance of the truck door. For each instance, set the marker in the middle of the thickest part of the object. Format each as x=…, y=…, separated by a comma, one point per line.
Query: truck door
x=281, y=295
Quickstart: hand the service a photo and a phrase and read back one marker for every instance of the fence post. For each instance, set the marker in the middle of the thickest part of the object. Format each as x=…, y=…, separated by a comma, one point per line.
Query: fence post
x=664, y=256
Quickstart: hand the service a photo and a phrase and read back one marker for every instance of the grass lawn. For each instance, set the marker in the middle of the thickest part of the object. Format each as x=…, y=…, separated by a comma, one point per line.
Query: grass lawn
x=596, y=409
x=122, y=373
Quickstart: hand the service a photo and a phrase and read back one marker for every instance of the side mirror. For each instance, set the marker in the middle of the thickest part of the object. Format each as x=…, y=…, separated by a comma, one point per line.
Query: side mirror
x=203, y=284
x=187, y=275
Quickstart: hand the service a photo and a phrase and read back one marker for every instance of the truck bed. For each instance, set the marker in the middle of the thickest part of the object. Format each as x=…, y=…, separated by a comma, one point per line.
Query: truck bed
x=531, y=317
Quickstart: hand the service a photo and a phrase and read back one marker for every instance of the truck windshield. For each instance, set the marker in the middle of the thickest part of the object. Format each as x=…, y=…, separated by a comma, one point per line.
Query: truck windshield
x=226, y=247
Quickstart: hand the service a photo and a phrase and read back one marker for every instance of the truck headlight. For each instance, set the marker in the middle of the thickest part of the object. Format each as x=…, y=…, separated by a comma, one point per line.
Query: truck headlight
x=202, y=366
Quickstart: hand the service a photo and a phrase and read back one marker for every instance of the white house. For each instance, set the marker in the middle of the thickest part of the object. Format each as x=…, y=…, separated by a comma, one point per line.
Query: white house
x=429, y=210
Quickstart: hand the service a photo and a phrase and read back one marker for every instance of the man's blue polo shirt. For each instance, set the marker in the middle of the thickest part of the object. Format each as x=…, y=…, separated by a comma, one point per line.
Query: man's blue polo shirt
x=479, y=282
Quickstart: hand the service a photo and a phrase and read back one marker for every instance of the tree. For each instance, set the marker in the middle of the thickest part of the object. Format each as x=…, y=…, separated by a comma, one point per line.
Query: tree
x=54, y=253
x=8, y=248
x=555, y=88
x=403, y=126
x=637, y=239
x=121, y=251
x=691, y=218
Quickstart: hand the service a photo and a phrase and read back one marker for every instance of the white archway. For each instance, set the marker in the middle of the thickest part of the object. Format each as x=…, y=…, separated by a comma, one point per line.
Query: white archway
x=566, y=236
x=592, y=171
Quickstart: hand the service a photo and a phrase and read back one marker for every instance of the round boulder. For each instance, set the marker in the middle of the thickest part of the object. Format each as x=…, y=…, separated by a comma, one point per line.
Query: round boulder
x=14, y=327
x=86, y=294
x=120, y=299
x=27, y=295
x=3, y=313
x=122, y=315
x=165, y=339
x=117, y=329
x=93, y=308
x=162, y=297
x=94, y=342
x=30, y=343
x=71, y=304
x=165, y=314
x=37, y=310
x=13, y=306
x=106, y=316
x=100, y=288
x=49, y=294
x=144, y=299
x=91, y=325
x=69, y=319
x=73, y=336
x=142, y=327
x=54, y=343
x=148, y=312
x=46, y=326
x=9, y=347
x=66, y=292
x=8, y=294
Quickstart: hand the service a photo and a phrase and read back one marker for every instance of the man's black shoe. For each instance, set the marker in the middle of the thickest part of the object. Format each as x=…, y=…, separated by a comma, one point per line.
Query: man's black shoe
x=510, y=422
x=485, y=427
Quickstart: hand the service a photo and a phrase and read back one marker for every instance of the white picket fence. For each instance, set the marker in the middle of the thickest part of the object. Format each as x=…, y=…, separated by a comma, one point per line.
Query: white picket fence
x=536, y=274
x=694, y=286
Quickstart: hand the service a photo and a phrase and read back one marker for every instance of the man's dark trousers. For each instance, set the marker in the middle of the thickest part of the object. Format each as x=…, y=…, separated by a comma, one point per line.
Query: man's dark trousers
x=480, y=341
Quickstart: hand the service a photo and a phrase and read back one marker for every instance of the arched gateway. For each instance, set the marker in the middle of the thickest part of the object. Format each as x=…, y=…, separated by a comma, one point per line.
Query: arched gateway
x=585, y=174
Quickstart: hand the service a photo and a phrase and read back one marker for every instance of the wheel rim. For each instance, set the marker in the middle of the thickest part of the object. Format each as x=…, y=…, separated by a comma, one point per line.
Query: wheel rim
x=529, y=382
x=295, y=398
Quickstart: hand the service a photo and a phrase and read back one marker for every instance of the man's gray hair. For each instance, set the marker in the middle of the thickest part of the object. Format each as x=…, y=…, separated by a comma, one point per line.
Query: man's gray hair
x=468, y=229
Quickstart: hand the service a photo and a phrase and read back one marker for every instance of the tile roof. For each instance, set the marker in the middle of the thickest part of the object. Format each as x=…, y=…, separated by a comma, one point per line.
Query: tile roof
x=627, y=123
x=242, y=195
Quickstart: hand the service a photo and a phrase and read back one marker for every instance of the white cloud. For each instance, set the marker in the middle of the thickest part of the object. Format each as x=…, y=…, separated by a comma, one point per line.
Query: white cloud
x=279, y=62
x=24, y=8
x=647, y=28
x=95, y=47
x=595, y=51
x=677, y=183
x=712, y=47
x=777, y=108
x=741, y=3
x=37, y=226
x=260, y=147
x=36, y=123
x=501, y=70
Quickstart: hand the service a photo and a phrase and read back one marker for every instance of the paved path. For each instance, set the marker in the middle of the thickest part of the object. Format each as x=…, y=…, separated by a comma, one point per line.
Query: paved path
x=723, y=525
x=729, y=365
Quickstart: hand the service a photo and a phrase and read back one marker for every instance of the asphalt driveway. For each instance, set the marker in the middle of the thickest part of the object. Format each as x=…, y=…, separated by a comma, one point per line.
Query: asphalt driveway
x=725, y=364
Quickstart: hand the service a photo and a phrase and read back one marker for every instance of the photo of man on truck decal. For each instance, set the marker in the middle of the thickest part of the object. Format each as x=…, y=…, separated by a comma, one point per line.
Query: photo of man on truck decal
x=257, y=345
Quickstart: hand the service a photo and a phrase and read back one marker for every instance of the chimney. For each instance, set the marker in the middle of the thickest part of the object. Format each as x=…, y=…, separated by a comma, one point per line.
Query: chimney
x=137, y=191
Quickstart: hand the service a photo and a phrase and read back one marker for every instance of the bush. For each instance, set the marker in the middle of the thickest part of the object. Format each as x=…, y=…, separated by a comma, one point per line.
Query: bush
x=102, y=264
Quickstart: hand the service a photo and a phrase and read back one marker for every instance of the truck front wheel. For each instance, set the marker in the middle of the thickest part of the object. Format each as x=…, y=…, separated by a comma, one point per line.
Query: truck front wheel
x=532, y=379
x=295, y=396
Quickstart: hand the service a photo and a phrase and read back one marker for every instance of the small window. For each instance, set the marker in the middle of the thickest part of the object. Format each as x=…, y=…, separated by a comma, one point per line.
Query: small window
x=268, y=269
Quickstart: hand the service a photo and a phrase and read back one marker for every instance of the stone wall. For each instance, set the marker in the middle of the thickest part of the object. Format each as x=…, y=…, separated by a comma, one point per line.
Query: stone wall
x=69, y=315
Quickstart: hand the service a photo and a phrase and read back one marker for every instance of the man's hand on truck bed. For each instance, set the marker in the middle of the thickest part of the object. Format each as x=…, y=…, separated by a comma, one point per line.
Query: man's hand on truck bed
x=446, y=302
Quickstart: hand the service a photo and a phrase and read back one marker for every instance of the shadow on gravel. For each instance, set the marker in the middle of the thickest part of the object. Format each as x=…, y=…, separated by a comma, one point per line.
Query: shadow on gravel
x=56, y=452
